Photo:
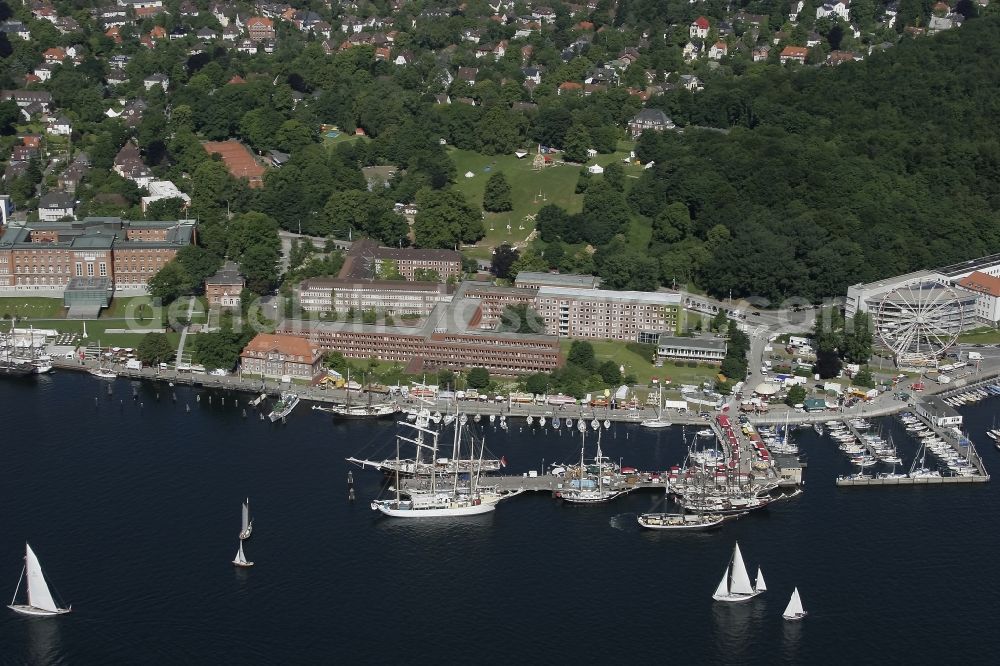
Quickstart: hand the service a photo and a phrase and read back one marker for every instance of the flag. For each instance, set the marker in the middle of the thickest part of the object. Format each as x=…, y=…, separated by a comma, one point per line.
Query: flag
x=503, y=461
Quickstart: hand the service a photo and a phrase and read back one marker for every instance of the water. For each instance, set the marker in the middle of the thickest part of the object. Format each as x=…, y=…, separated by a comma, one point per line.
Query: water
x=133, y=508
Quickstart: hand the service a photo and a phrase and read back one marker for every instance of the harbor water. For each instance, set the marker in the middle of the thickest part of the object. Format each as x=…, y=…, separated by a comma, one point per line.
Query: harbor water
x=132, y=503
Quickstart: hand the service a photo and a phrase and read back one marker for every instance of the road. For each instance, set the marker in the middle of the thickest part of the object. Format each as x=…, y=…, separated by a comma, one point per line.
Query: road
x=184, y=331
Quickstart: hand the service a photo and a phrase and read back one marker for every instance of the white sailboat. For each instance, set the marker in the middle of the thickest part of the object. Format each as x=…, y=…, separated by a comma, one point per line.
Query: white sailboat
x=241, y=558
x=794, y=611
x=246, y=527
x=759, y=584
x=659, y=421
x=40, y=601
x=735, y=584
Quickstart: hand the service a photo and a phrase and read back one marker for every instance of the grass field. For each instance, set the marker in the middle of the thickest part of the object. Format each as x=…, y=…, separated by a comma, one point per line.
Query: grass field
x=983, y=336
x=641, y=366
x=530, y=191
x=97, y=331
x=30, y=307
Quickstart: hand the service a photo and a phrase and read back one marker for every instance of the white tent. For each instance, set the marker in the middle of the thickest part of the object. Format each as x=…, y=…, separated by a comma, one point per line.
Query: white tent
x=595, y=168
x=469, y=174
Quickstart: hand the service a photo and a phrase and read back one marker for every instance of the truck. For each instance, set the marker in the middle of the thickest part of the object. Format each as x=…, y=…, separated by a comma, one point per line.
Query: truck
x=133, y=364
x=975, y=356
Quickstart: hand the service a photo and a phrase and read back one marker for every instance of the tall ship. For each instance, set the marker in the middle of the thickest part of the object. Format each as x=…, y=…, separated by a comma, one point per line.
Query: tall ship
x=441, y=495
x=595, y=482
x=368, y=410
x=14, y=367
x=422, y=464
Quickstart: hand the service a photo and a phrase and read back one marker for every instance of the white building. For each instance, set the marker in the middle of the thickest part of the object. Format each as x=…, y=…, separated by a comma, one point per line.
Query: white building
x=840, y=9
x=712, y=350
x=987, y=290
x=163, y=189
x=607, y=315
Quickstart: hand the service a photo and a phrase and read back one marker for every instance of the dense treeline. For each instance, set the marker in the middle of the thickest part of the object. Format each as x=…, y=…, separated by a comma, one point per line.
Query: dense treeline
x=815, y=178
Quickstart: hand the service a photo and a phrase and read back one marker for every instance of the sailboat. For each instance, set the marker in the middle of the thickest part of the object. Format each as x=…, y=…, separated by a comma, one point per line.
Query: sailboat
x=659, y=421
x=585, y=489
x=40, y=601
x=735, y=584
x=241, y=559
x=794, y=611
x=100, y=371
x=247, y=524
x=444, y=501
x=759, y=584
x=680, y=521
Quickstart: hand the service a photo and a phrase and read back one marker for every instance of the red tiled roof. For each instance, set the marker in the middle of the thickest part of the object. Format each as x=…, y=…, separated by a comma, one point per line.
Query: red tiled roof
x=701, y=22
x=981, y=283
x=289, y=345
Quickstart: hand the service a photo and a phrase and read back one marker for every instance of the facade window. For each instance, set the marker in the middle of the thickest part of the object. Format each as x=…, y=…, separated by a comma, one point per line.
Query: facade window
x=103, y=269
x=90, y=270
x=79, y=269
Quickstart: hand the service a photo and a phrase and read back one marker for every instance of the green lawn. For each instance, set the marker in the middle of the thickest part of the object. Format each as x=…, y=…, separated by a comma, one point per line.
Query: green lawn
x=531, y=190
x=31, y=307
x=641, y=366
x=984, y=336
x=97, y=331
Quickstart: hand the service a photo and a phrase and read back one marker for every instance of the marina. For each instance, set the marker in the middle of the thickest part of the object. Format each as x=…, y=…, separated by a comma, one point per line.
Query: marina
x=315, y=551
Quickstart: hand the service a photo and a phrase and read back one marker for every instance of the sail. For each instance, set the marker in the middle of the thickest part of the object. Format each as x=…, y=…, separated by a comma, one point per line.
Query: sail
x=794, y=607
x=761, y=586
x=38, y=591
x=741, y=579
x=240, y=557
x=723, y=588
x=246, y=515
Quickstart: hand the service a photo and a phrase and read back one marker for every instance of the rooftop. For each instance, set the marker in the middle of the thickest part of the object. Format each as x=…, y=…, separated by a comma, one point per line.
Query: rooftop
x=289, y=345
x=557, y=279
x=643, y=297
x=713, y=344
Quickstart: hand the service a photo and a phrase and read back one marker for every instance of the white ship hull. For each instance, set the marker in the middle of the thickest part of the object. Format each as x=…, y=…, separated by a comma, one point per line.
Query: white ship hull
x=734, y=598
x=24, y=609
x=388, y=509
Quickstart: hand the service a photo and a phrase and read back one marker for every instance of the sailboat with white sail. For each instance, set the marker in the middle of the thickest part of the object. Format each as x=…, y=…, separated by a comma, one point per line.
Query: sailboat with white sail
x=659, y=421
x=794, y=611
x=40, y=601
x=246, y=526
x=735, y=584
x=241, y=558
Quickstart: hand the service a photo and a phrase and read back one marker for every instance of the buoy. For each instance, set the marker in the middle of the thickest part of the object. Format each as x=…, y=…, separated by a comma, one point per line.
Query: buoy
x=244, y=413
x=197, y=398
x=95, y=401
x=187, y=408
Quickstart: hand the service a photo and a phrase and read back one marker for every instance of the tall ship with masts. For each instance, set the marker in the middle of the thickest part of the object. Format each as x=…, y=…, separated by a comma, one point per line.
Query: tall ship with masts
x=595, y=482
x=440, y=495
x=365, y=410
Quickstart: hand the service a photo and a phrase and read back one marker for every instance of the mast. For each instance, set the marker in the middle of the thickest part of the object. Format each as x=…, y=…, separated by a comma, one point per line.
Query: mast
x=479, y=468
x=456, y=450
x=397, y=470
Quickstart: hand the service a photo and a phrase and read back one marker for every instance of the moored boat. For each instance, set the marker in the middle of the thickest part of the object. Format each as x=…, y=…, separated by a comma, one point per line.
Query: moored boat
x=284, y=406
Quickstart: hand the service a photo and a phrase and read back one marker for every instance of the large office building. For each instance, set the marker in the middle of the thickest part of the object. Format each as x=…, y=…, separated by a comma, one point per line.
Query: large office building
x=709, y=350
x=634, y=316
x=449, y=337
x=987, y=290
x=384, y=296
x=45, y=256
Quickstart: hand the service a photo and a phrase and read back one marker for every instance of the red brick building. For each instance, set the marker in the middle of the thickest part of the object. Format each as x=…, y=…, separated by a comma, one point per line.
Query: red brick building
x=224, y=288
x=270, y=355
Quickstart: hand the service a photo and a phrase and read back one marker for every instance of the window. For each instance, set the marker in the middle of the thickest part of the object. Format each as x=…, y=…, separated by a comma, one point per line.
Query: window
x=90, y=270
x=79, y=269
x=103, y=269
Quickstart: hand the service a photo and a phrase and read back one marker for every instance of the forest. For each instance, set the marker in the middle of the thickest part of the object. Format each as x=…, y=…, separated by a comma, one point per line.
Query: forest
x=800, y=182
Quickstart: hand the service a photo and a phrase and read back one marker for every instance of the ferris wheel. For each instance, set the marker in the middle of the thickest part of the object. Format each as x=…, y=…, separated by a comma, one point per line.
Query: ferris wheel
x=918, y=323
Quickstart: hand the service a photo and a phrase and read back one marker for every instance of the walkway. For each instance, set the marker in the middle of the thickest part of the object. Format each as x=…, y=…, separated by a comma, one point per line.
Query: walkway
x=180, y=345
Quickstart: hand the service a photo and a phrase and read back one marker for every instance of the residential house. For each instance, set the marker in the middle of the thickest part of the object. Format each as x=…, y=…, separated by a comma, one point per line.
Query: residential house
x=794, y=54
x=15, y=29
x=468, y=74
x=224, y=288
x=840, y=57
x=718, y=51
x=55, y=206
x=59, y=126
x=44, y=71
x=840, y=9
x=760, y=53
x=231, y=33
x=690, y=51
x=569, y=88
x=649, y=120
x=795, y=9
x=72, y=176
x=699, y=28
x=54, y=55
x=403, y=58
x=247, y=46
x=152, y=80
x=690, y=82
x=26, y=98
x=260, y=28
x=532, y=74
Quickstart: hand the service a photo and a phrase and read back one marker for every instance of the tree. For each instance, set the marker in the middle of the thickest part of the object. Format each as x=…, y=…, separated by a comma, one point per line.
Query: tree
x=521, y=318
x=828, y=364
x=864, y=378
x=796, y=395
x=581, y=353
x=503, y=259
x=672, y=225
x=610, y=373
x=497, y=196
x=171, y=208
x=445, y=219
x=537, y=383
x=576, y=144
x=170, y=282
x=198, y=263
x=154, y=348
x=614, y=175
x=259, y=265
x=720, y=321
x=221, y=349
x=478, y=378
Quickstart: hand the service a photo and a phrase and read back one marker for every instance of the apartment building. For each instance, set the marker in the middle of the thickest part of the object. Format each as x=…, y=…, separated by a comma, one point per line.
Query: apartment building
x=608, y=315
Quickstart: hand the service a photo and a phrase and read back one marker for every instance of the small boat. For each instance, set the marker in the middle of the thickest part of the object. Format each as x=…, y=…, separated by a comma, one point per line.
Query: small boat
x=569, y=423
x=241, y=559
x=659, y=421
x=735, y=584
x=530, y=420
x=555, y=422
x=493, y=418
x=477, y=418
x=818, y=427
x=607, y=423
x=283, y=407
x=246, y=528
x=705, y=432
x=541, y=421
x=794, y=611
x=690, y=522
x=40, y=601
x=104, y=373
x=759, y=584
